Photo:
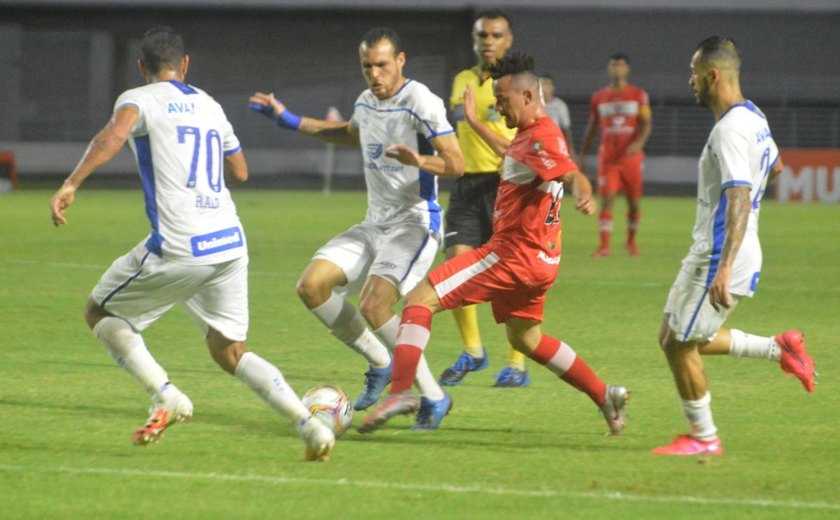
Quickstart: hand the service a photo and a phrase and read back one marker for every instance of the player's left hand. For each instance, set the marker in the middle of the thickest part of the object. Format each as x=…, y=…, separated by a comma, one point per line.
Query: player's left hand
x=633, y=148
x=404, y=154
x=60, y=201
x=586, y=205
x=719, y=289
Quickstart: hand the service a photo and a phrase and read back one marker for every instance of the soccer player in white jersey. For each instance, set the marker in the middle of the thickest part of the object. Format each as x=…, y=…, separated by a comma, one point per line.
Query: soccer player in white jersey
x=196, y=253
x=391, y=251
x=724, y=262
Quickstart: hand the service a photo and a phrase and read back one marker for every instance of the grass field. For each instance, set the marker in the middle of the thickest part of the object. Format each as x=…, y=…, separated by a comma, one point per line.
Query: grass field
x=67, y=411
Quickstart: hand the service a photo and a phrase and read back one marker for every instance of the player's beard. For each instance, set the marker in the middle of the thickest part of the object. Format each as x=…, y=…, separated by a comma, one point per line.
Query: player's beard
x=702, y=95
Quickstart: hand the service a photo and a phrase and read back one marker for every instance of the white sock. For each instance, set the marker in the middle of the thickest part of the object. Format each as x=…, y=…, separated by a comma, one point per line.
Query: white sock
x=424, y=381
x=128, y=349
x=266, y=380
x=699, y=415
x=346, y=324
x=750, y=346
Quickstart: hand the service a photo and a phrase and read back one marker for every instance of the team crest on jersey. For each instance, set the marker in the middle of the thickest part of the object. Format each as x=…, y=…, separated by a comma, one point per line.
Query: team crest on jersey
x=537, y=146
x=374, y=150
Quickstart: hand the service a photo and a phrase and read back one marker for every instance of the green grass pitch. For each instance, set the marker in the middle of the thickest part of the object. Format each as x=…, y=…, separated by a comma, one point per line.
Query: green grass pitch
x=67, y=411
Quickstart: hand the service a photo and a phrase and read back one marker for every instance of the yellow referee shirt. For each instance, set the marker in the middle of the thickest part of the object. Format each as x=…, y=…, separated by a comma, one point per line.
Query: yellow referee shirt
x=478, y=156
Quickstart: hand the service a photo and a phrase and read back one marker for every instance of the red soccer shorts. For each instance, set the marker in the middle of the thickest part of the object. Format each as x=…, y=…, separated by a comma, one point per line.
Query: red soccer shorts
x=624, y=175
x=479, y=276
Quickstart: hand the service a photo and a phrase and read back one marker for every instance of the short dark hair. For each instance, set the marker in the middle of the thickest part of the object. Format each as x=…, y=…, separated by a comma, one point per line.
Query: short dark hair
x=161, y=48
x=377, y=34
x=514, y=64
x=620, y=56
x=718, y=49
x=494, y=14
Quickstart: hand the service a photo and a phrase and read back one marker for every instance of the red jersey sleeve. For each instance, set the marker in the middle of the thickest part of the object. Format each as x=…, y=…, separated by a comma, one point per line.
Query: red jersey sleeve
x=547, y=153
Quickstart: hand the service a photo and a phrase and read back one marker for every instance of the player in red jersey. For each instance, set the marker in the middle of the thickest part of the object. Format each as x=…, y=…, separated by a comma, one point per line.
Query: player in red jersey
x=622, y=113
x=519, y=263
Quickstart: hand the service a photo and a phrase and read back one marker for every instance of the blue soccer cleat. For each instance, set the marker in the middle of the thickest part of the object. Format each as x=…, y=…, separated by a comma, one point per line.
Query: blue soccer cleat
x=464, y=364
x=511, y=377
x=376, y=379
x=432, y=412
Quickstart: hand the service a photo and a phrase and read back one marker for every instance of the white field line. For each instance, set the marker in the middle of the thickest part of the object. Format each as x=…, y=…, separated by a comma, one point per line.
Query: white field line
x=432, y=488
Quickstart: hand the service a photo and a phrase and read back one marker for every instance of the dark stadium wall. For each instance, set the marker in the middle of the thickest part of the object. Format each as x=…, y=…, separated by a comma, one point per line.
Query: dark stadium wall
x=55, y=100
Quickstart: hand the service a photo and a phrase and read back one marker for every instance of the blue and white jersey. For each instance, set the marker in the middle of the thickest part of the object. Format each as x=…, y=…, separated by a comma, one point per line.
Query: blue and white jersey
x=740, y=152
x=179, y=143
x=396, y=192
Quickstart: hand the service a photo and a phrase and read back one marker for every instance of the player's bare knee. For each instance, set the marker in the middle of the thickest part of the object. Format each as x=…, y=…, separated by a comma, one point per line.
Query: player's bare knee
x=311, y=291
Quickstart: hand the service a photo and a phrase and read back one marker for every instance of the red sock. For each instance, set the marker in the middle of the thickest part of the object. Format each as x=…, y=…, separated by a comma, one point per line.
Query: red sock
x=605, y=227
x=561, y=359
x=632, y=225
x=415, y=329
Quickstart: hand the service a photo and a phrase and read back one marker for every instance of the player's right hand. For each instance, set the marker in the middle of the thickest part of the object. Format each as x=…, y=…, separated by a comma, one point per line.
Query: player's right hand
x=470, y=110
x=266, y=105
x=62, y=199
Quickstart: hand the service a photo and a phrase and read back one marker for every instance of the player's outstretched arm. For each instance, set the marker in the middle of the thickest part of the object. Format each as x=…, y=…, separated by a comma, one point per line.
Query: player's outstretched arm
x=581, y=191
x=449, y=161
x=102, y=148
x=337, y=132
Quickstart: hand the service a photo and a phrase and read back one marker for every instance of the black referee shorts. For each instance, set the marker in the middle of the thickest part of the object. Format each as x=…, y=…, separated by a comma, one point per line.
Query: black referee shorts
x=469, y=219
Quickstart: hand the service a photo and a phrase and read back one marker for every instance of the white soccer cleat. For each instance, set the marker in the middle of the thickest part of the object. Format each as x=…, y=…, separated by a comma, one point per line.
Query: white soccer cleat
x=318, y=439
x=169, y=406
x=615, y=409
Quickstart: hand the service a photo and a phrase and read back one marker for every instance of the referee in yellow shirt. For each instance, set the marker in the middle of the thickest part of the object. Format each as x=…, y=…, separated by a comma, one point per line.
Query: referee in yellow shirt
x=469, y=219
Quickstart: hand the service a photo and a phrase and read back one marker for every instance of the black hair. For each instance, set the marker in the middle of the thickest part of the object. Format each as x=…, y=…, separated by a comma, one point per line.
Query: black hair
x=377, y=34
x=719, y=48
x=620, y=56
x=161, y=48
x=514, y=64
x=494, y=14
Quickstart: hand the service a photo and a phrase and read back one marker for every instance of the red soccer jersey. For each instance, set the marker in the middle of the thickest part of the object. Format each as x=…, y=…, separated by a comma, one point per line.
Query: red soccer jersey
x=526, y=219
x=619, y=115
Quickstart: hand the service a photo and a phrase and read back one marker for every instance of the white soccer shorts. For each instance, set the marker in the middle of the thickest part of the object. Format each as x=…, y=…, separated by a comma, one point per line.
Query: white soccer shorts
x=692, y=317
x=402, y=254
x=140, y=287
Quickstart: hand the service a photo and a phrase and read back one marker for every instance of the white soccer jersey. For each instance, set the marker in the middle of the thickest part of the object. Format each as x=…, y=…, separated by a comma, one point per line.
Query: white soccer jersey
x=179, y=143
x=396, y=192
x=740, y=152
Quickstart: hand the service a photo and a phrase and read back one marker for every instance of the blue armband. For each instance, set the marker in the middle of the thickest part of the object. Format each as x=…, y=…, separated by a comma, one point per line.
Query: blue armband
x=287, y=119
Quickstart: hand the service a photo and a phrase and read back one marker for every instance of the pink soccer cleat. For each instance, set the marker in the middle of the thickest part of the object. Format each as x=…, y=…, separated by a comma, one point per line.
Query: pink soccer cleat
x=795, y=359
x=686, y=445
x=601, y=252
x=632, y=248
x=402, y=403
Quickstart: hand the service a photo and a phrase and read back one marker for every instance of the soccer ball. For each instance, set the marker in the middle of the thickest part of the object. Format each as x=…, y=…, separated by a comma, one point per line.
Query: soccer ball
x=331, y=406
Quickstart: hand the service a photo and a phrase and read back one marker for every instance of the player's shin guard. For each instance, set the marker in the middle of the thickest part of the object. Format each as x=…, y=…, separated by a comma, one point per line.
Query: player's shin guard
x=424, y=381
x=129, y=350
x=633, y=218
x=559, y=357
x=268, y=382
x=605, y=228
x=415, y=330
x=346, y=324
